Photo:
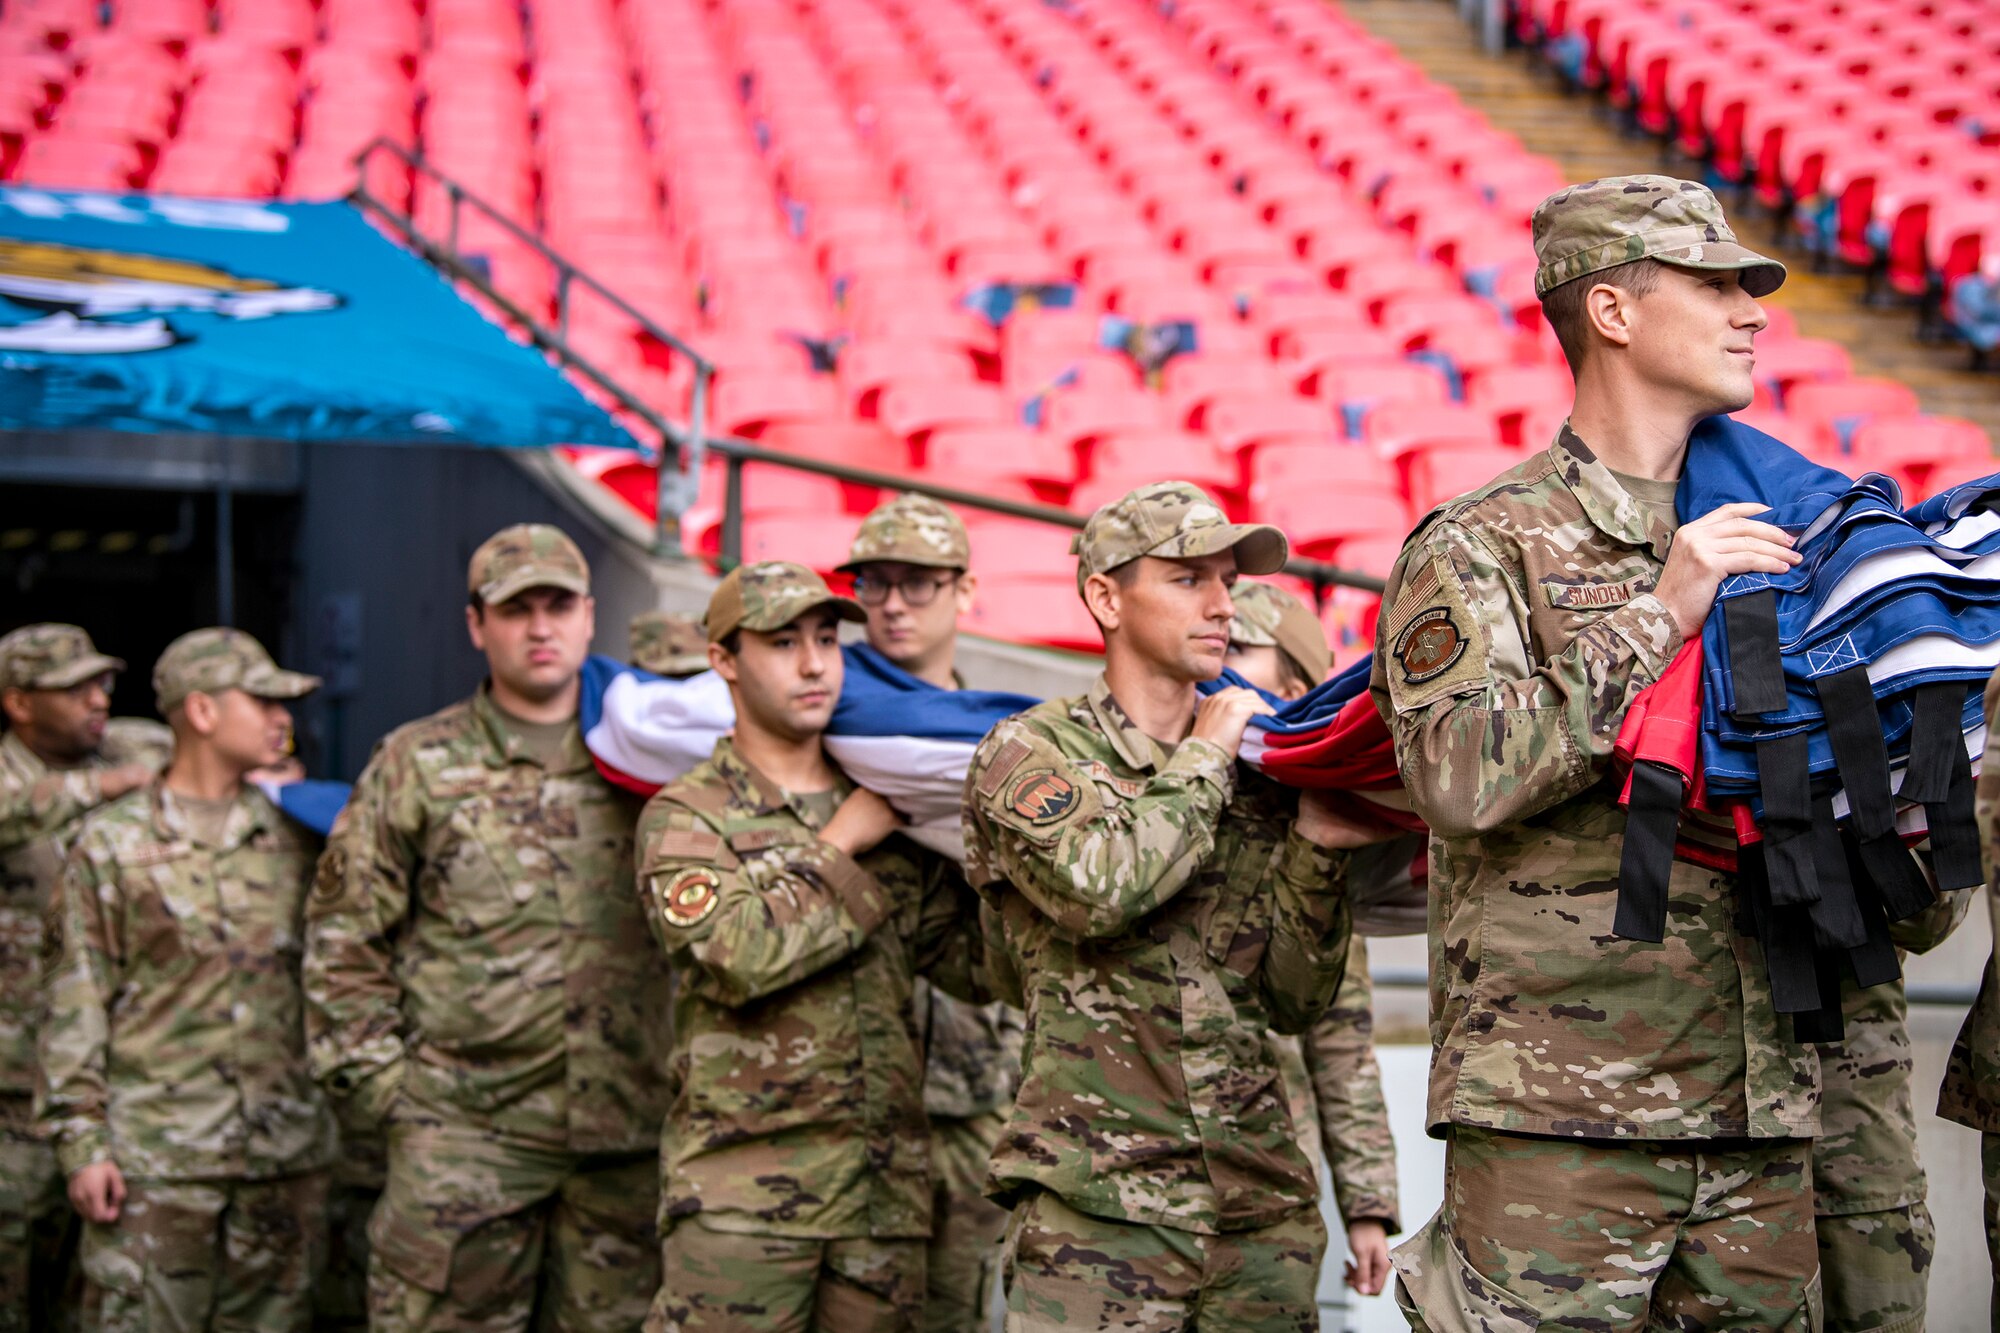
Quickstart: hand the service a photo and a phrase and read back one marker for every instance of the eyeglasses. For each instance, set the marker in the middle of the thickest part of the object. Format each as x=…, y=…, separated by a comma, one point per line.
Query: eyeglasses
x=917, y=589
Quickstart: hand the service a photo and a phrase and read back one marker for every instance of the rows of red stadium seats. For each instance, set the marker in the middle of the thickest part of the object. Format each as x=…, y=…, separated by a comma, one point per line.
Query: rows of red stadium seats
x=1871, y=126
x=1040, y=254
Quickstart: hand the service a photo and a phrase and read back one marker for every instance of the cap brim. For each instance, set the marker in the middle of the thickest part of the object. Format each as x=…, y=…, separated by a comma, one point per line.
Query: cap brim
x=281, y=685
x=1760, y=274
x=505, y=590
x=77, y=672
x=930, y=561
x=1260, y=548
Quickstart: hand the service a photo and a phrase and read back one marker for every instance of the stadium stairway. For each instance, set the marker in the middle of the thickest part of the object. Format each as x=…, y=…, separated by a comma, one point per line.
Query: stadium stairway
x=1517, y=94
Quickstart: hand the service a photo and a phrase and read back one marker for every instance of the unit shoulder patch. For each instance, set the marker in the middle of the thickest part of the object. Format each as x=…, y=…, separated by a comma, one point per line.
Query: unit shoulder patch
x=1429, y=645
x=1042, y=796
x=688, y=897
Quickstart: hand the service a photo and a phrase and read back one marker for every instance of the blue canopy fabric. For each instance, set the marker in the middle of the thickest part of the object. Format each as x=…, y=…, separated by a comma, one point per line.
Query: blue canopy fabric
x=283, y=321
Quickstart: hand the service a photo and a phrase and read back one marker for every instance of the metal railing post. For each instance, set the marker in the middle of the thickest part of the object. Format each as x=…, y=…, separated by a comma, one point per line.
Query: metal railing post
x=732, y=515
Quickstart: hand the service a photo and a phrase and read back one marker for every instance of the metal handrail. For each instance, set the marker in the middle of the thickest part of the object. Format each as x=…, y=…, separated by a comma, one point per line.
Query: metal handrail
x=681, y=448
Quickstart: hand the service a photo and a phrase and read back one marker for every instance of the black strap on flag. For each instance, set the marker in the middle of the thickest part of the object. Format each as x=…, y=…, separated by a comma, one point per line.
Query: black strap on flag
x=1854, y=728
x=1756, y=666
x=1652, y=825
x=1940, y=777
x=1786, y=788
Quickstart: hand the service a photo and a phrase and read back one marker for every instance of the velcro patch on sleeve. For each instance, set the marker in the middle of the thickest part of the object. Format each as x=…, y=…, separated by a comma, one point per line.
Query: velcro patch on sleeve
x=687, y=844
x=1042, y=796
x=687, y=899
x=1434, y=645
x=1005, y=760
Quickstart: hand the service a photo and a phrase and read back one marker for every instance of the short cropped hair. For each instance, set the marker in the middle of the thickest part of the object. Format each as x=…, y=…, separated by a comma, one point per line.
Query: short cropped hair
x=1563, y=306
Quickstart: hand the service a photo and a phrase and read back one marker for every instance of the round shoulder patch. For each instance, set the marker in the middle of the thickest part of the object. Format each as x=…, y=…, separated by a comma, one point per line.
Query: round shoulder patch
x=688, y=898
x=1429, y=645
x=1041, y=796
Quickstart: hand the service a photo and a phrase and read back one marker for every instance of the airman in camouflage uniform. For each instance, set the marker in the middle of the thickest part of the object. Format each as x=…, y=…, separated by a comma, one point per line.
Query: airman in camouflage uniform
x=913, y=547
x=54, y=686
x=795, y=1156
x=1331, y=1075
x=1160, y=909
x=173, y=1077
x=1627, y=1121
x=1971, y=1092
x=667, y=643
x=478, y=980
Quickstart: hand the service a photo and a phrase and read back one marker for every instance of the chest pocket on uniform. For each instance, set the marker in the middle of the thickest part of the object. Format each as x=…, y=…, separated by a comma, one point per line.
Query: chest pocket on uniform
x=1238, y=925
x=486, y=881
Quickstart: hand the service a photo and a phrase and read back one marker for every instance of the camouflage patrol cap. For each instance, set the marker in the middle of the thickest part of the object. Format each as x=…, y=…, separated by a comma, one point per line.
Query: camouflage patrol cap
x=915, y=530
x=1601, y=224
x=1172, y=520
x=527, y=555
x=211, y=660
x=768, y=596
x=1268, y=616
x=669, y=644
x=51, y=657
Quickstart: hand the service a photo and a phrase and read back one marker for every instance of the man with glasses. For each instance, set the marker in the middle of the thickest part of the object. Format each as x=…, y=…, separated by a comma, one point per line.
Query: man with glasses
x=909, y=565
x=63, y=755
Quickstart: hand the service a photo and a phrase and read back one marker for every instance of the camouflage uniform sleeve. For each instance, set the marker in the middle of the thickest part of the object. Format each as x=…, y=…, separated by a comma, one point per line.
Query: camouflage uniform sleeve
x=80, y=972
x=1003, y=974
x=1313, y=921
x=1093, y=870
x=1347, y=1088
x=744, y=935
x=1932, y=926
x=360, y=900
x=1485, y=735
x=31, y=810
x=950, y=948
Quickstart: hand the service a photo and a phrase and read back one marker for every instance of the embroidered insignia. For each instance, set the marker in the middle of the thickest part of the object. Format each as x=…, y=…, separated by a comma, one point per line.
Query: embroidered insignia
x=331, y=878
x=1592, y=596
x=1042, y=796
x=1004, y=763
x=1429, y=645
x=689, y=897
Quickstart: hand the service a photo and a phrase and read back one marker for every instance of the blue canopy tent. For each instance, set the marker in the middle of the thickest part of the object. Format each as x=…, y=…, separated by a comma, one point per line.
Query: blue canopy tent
x=266, y=321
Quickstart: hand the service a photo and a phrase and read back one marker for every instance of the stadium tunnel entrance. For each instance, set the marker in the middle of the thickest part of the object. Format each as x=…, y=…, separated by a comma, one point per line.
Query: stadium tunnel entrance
x=346, y=561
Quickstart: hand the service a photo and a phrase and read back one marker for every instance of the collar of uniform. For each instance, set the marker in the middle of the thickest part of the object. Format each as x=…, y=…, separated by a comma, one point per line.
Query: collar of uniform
x=758, y=793
x=246, y=816
x=1135, y=747
x=503, y=747
x=1607, y=504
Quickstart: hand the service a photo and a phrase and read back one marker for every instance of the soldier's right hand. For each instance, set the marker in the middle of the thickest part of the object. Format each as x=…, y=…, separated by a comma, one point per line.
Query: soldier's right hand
x=1220, y=719
x=115, y=782
x=862, y=821
x=1722, y=542
x=98, y=1191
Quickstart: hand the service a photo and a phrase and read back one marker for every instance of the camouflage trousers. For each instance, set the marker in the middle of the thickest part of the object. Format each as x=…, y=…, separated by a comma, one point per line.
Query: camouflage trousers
x=1876, y=1268
x=478, y=1232
x=724, y=1282
x=1989, y=1164
x=342, y=1300
x=1562, y=1234
x=965, y=1225
x=37, y=1228
x=1068, y=1270
x=239, y=1256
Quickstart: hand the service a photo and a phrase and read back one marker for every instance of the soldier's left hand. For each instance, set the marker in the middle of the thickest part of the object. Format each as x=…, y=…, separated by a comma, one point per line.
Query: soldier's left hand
x=1367, y=1255
x=1325, y=821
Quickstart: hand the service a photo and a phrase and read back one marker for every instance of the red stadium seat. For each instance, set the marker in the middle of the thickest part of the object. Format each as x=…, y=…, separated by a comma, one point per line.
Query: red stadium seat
x=745, y=404
x=1834, y=408
x=1081, y=417
x=1030, y=608
x=1239, y=421
x=970, y=457
x=913, y=409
